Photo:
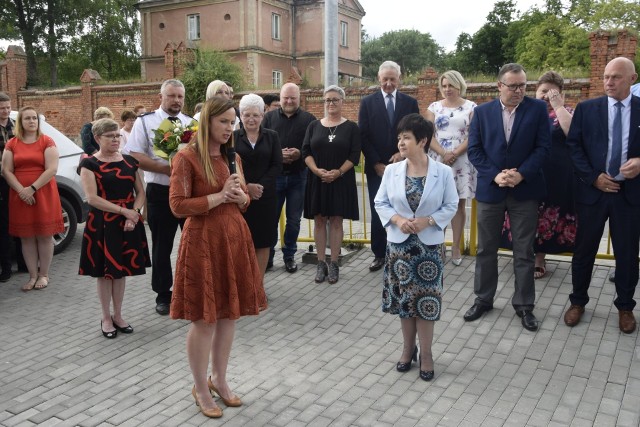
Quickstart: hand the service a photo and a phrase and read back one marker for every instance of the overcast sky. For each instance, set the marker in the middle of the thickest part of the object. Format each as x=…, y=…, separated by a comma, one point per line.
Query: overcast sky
x=443, y=19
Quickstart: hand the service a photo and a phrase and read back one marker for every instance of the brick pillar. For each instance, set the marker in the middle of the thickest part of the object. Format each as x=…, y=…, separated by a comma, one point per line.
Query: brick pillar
x=169, y=61
x=14, y=77
x=605, y=46
x=428, y=90
x=88, y=102
x=182, y=57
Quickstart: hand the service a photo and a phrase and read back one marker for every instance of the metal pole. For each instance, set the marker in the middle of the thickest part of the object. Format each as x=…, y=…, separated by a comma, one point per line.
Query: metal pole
x=331, y=28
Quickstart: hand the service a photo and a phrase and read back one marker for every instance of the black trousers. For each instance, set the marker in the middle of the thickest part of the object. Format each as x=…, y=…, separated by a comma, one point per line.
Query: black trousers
x=378, y=233
x=163, y=226
x=624, y=224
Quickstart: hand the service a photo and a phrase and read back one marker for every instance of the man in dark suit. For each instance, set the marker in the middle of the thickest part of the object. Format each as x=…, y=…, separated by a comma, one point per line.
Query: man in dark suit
x=378, y=118
x=604, y=139
x=509, y=140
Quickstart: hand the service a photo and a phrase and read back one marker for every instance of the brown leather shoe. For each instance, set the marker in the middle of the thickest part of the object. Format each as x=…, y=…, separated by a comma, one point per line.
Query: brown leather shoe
x=627, y=321
x=573, y=315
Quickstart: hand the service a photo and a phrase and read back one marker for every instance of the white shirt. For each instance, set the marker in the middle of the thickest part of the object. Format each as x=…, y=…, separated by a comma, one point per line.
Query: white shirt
x=141, y=141
x=387, y=100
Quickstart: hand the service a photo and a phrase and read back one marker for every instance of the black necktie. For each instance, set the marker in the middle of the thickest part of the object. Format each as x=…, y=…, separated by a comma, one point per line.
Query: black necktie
x=616, y=142
x=390, y=110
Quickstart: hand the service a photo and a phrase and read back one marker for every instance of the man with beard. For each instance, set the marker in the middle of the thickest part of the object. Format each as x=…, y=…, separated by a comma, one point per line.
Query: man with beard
x=162, y=223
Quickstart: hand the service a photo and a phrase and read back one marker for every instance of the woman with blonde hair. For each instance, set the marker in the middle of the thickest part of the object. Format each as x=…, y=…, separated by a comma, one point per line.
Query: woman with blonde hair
x=217, y=276
x=452, y=117
x=29, y=164
x=89, y=143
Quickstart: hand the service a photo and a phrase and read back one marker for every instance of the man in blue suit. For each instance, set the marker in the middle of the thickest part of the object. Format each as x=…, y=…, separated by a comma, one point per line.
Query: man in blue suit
x=509, y=140
x=604, y=139
x=378, y=118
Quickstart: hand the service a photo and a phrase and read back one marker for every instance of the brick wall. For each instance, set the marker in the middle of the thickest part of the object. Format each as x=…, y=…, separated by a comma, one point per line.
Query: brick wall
x=69, y=108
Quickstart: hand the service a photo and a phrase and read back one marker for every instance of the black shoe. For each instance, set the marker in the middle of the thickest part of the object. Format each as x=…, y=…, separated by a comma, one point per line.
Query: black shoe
x=126, y=330
x=612, y=277
x=425, y=375
x=290, y=265
x=321, y=271
x=377, y=264
x=405, y=366
x=334, y=272
x=5, y=275
x=529, y=321
x=476, y=311
x=110, y=334
x=162, y=308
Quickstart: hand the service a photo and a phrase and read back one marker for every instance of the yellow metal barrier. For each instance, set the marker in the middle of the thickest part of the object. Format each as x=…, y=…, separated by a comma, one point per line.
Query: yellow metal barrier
x=468, y=243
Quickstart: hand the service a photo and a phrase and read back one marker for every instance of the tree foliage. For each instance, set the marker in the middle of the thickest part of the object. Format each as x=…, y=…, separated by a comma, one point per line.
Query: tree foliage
x=204, y=67
x=411, y=49
x=100, y=32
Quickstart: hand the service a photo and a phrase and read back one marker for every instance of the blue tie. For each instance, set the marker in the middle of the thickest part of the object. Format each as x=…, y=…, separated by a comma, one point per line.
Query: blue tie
x=390, y=112
x=616, y=142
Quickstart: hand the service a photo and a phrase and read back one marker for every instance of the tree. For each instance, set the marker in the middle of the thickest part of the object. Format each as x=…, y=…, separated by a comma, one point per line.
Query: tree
x=411, y=49
x=204, y=67
x=489, y=51
x=109, y=44
x=48, y=27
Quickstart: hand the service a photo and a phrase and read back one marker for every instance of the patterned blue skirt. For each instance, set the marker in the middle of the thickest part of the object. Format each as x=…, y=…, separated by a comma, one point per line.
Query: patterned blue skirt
x=413, y=279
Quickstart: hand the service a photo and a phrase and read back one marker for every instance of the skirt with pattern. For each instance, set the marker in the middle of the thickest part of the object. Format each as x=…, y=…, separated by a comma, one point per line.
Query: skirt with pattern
x=413, y=279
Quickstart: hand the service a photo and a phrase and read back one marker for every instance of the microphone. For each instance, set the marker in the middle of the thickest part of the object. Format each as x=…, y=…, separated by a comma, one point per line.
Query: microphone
x=231, y=158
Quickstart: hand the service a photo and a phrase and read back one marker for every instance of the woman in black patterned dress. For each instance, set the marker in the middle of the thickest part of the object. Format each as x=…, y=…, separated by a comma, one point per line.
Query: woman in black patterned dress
x=416, y=200
x=114, y=244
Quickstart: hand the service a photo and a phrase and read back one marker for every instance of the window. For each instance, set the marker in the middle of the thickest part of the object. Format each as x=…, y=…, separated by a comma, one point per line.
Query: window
x=275, y=26
x=193, y=27
x=276, y=79
x=344, y=34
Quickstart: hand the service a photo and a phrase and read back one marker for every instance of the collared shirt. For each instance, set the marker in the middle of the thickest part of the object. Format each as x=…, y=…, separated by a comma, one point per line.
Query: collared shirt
x=291, y=131
x=626, y=123
x=387, y=100
x=6, y=133
x=141, y=141
x=508, y=118
x=635, y=89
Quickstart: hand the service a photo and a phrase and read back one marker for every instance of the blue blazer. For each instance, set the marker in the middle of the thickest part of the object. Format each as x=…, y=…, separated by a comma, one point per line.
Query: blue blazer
x=527, y=150
x=439, y=200
x=378, y=136
x=588, y=140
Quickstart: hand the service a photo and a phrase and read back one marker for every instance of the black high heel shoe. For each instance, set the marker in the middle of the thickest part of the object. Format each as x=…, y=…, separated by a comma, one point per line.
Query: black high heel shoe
x=405, y=366
x=425, y=375
x=126, y=330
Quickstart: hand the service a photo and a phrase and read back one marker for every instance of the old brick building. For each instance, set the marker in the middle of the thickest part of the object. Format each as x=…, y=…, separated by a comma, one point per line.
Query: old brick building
x=272, y=40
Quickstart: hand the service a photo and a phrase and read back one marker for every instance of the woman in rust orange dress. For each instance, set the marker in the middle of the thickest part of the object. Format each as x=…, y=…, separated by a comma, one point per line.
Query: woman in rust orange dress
x=217, y=276
x=29, y=165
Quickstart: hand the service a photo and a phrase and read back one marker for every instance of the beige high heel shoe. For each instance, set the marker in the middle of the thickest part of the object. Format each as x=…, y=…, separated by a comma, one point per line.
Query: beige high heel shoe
x=211, y=413
x=234, y=402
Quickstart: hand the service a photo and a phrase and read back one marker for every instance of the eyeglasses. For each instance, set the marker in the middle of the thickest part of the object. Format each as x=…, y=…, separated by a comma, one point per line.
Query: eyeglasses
x=333, y=101
x=513, y=88
x=116, y=136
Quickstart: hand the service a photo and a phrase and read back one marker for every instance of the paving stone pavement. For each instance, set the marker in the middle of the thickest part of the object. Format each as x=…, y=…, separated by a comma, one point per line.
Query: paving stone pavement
x=321, y=355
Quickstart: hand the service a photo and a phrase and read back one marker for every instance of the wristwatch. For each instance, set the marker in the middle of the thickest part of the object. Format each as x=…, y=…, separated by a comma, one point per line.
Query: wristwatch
x=431, y=221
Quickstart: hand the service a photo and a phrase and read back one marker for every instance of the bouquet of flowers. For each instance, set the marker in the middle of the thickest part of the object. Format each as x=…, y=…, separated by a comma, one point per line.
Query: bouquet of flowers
x=171, y=137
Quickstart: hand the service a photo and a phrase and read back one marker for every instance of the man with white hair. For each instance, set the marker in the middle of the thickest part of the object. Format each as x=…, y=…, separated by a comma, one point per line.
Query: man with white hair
x=378, y=118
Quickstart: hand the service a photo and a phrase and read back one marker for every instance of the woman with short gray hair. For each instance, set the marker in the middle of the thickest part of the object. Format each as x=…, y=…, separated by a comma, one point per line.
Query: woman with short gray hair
x=261, y=155
x=331, y=149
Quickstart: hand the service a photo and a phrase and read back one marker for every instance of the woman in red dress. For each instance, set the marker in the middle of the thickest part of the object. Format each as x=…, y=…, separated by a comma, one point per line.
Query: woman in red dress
x=29, y=165
x=114, y=244
x=217, y=277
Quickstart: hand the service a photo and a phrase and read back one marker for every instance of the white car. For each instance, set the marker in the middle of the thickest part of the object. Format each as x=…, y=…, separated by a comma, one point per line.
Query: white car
x=72, y=197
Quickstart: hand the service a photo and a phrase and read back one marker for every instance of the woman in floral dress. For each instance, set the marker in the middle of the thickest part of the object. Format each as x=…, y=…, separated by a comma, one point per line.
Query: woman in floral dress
x=452, y=117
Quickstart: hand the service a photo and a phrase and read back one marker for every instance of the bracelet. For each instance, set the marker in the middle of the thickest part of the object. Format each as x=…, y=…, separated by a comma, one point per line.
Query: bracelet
x=33, y=188
x=341, y=173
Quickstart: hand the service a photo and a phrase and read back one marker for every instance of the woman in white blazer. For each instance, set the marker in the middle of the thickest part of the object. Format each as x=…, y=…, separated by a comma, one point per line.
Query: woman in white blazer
x=415, y=202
